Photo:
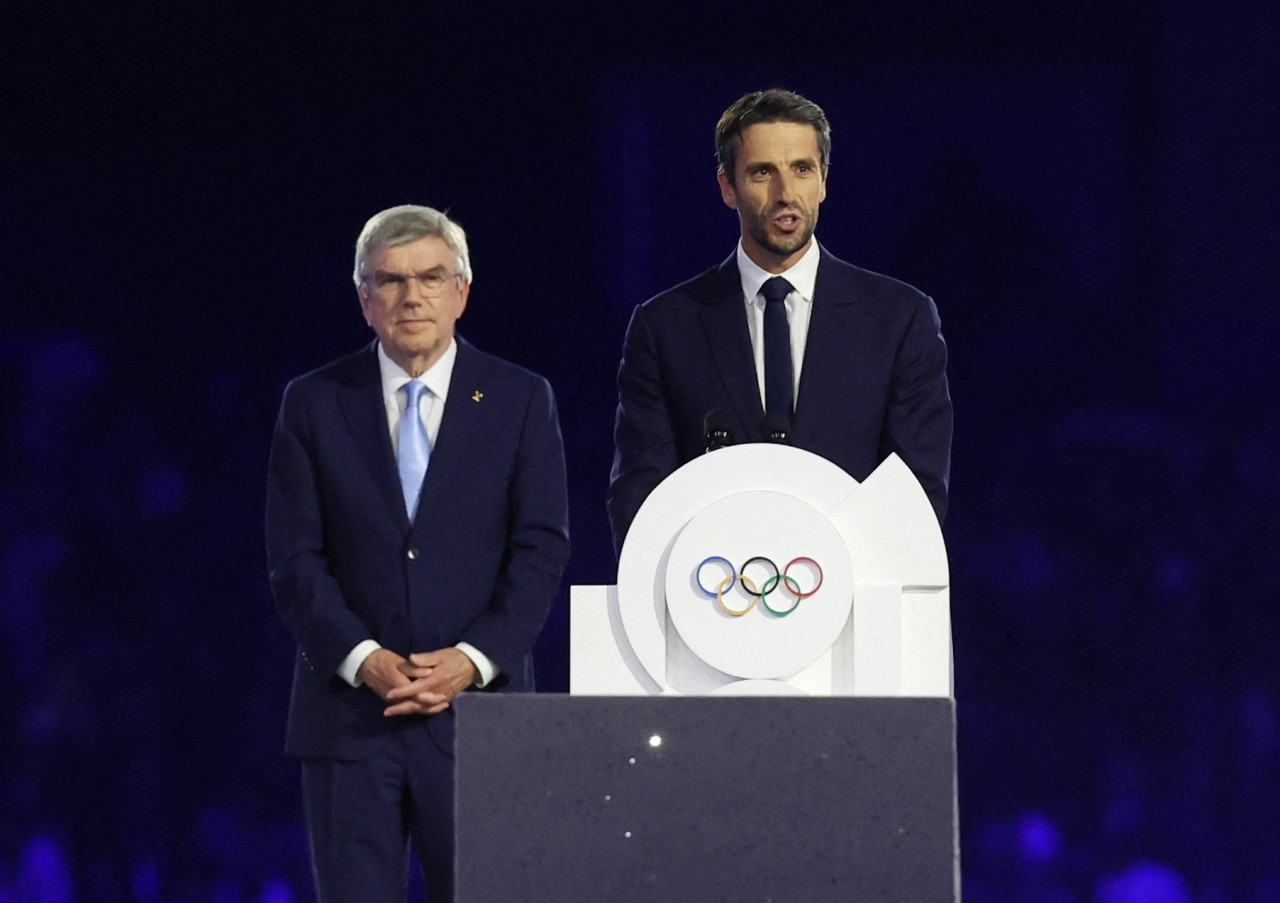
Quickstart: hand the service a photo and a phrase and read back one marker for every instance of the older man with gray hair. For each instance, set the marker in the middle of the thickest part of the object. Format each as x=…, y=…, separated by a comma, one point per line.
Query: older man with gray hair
x=417, y=531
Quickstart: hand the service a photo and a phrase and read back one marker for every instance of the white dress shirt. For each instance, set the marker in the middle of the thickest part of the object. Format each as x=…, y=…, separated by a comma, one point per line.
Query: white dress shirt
x=802, y=275
x=431, y=409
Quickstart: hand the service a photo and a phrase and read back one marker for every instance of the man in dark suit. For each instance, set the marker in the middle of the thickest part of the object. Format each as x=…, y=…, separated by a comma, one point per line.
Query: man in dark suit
x=782, y=341
x=416, y=535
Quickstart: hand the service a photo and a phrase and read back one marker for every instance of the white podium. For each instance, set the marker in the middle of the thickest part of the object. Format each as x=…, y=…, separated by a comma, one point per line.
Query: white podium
x=703, y=606
x=673, y=772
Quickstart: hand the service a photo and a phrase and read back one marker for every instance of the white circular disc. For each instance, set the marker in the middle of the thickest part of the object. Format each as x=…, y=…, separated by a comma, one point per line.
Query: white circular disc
x=758, y=644
x=758, y=688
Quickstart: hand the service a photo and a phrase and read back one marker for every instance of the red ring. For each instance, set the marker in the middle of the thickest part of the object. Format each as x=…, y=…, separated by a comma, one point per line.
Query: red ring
x=812, y=562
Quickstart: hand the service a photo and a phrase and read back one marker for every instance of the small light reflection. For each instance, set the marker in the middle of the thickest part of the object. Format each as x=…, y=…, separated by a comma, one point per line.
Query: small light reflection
x=627, y=834
x=631, y=761
x=655, y=741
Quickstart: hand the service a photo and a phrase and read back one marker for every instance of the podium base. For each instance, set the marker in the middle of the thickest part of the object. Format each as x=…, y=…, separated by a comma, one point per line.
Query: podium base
x=705, y=799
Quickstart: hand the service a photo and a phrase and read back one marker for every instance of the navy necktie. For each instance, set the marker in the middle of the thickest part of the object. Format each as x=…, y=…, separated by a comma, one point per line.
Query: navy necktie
x=414, y=448
x=777, y=348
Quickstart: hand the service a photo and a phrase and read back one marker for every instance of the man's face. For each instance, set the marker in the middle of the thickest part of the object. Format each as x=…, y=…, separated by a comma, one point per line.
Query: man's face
x=776, y=188
x=412, y=298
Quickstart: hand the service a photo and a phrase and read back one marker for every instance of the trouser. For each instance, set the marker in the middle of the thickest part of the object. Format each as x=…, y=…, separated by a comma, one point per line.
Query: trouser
x=361, y=815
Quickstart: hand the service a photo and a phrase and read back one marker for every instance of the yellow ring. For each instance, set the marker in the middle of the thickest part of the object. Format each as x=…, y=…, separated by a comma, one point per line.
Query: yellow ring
x=728, y=582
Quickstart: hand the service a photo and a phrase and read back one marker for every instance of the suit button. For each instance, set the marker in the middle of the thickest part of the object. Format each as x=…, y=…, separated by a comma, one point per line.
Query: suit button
x=412, y=553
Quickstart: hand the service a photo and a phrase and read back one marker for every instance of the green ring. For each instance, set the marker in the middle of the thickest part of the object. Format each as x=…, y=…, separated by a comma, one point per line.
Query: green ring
x=771, y=584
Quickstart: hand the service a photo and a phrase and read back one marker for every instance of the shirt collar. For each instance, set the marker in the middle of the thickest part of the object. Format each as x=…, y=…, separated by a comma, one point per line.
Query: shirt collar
x=437, y=377
x=802, y=275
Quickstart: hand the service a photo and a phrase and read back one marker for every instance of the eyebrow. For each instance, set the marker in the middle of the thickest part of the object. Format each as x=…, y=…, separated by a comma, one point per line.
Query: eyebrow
x=752, y=165
x=437, y=270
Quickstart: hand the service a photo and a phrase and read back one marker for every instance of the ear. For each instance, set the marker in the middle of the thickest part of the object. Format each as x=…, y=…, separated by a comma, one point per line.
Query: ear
x=365, y=303
x=727, y=192
x=464, y=291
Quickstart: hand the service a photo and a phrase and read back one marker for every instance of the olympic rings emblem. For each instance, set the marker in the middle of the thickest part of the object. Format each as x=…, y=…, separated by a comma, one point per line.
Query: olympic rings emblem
x=758, y=594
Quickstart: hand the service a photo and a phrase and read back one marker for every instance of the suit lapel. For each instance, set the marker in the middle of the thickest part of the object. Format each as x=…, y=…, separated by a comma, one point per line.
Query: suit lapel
x=826, y=347
x=724, y=320
x=360, y=398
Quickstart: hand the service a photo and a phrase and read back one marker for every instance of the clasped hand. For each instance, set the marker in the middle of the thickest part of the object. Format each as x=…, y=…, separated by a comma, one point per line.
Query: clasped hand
x=423, y=684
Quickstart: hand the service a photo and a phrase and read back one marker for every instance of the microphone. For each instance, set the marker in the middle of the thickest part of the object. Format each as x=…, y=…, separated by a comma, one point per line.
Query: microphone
x=715, y=428
x=776, y=428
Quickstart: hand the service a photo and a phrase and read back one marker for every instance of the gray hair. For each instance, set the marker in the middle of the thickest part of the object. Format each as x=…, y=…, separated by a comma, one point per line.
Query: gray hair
x=401, y=225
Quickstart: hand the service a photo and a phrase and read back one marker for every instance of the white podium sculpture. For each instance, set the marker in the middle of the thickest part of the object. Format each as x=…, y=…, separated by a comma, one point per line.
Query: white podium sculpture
x=766, y=570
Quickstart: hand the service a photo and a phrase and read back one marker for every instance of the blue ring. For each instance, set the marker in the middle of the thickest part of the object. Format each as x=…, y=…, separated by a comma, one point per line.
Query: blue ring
x=697, y=575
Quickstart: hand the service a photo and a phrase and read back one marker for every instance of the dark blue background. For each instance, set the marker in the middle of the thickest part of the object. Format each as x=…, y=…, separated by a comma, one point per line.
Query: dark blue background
x=1087, y=190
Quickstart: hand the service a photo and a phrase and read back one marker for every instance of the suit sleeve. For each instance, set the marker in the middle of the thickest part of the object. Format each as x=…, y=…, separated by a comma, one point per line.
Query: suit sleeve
x=918, y=422
x=537, y=545
x=308, y=598
x=643, y=434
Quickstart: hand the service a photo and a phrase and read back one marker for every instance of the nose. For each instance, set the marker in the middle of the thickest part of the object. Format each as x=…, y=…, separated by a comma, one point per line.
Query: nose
x=784, y=188
x=415, y=290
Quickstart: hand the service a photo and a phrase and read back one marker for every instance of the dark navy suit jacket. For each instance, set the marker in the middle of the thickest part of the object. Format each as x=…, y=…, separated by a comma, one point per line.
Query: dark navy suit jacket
x=481, y=563
x=874, y=381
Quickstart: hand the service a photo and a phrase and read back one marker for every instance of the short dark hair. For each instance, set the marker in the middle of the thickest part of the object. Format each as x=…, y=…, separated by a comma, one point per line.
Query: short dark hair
x=773, y=105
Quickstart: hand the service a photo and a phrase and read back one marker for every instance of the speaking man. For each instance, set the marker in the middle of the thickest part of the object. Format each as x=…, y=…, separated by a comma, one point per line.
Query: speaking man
x=781, y=341
x=416, y=535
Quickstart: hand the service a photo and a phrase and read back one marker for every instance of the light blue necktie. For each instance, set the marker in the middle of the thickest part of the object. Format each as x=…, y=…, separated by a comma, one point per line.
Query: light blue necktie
x=415, y=447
